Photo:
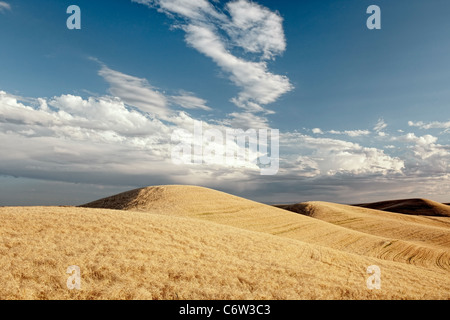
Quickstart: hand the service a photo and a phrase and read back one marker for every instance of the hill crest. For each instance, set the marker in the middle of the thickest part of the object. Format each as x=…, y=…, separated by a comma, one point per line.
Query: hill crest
x=417, y=206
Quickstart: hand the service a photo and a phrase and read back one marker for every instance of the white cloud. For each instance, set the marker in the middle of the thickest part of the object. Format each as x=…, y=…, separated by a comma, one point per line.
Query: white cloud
x=329, y=157
x=357, y=133
x=381, y=125
x=4, y=6
x=96, y=140
x=135, y=91
x=426, y=157
x=258, y=84
x=112, y=140
x=430, y=125
x=256, y=29
x=351, y=133
x=245, y=120
x=102, y=139
x=192, y=9
x=306, y=167
x=104, y=119
x=188, y=100
x=249, y=26
x=425, y=146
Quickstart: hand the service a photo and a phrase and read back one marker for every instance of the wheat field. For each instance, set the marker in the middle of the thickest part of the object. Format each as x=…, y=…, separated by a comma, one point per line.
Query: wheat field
x=183, y=242
x=333, y=225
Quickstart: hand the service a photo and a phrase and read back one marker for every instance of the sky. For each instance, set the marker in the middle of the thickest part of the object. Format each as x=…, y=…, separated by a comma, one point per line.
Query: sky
x=362, y=114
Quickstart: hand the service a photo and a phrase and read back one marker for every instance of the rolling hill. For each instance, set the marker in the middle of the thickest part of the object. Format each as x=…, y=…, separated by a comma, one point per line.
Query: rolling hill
x=185, y=242
x=408, y=239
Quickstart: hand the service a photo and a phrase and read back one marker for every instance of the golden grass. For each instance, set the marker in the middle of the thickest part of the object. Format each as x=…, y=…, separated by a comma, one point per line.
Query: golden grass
x=419, y=240
x=177, y=242
x=410, y=239
x=139, y=255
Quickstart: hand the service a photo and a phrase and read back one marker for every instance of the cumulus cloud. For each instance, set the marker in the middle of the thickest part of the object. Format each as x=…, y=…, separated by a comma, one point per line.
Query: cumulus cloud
x=256, y=29
x=248, y=26
x=99, y=140
x=424, y=146
x=426, y=156
x=430, y=125
x=103, y=139
x=330, y=157
x=103, y=119
x=124, y=139
x=68, y=138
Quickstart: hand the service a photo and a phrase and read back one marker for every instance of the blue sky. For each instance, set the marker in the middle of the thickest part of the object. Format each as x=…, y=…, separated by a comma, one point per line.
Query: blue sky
x=363, y=114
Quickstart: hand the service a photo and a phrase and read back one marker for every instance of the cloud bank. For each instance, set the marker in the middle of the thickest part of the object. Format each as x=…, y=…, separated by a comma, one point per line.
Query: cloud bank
x=118, y=140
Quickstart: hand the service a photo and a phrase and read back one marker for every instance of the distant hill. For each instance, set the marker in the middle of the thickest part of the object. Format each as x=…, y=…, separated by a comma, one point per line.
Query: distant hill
x=422, y=207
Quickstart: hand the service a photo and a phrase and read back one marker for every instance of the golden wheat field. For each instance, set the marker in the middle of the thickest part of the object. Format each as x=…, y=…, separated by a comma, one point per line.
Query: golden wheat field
x=186, y=242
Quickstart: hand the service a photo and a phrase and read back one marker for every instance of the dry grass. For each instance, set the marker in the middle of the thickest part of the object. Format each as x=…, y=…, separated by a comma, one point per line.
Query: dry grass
x=418, y=240
x=162, y=248
x=410, y=239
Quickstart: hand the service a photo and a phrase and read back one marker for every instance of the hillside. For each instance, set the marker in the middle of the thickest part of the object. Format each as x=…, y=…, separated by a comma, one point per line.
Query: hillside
x=186, y=242
x=142, y=255
x=372, y=233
